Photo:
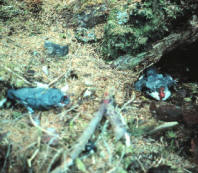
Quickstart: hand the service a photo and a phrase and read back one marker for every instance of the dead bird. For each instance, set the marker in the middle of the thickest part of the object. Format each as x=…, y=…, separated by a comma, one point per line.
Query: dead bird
x=156, y=85
x=56, y=49
x=39, y=98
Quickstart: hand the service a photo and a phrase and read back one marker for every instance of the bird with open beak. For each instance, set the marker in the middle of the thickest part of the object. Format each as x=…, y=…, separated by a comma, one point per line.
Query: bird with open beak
x=155, y=85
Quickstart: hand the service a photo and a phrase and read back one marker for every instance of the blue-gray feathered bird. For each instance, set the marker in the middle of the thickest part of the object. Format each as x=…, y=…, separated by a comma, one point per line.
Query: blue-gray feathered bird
x=156, y=85
x=56, y=49
x=38, y=98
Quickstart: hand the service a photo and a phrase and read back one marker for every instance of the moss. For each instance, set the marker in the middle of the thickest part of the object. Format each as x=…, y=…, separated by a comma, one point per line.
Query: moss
x=131, y=27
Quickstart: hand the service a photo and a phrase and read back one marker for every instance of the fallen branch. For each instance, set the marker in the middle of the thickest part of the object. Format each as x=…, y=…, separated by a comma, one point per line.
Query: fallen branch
x=83, y=140
x=116, y=119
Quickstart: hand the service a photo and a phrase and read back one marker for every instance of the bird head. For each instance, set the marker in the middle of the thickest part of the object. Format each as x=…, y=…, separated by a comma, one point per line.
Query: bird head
x=161, y=93
x=64, y=101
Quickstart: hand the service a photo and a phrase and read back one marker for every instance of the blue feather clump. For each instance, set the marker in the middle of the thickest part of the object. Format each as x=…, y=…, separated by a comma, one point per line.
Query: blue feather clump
x=56, y=49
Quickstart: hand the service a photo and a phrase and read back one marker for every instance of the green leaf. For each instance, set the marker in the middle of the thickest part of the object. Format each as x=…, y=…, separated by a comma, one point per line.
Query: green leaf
x=171, y=134
x=80, y=165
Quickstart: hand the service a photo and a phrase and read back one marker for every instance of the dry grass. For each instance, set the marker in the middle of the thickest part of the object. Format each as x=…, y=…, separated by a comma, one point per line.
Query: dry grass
x=92, y=73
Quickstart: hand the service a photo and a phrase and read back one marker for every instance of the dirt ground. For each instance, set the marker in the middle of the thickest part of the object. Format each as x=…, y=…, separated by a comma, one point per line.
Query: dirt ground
x=22, y=51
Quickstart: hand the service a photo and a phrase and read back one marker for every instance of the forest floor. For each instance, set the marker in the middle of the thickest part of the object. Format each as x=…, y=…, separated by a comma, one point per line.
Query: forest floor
x=22, y=51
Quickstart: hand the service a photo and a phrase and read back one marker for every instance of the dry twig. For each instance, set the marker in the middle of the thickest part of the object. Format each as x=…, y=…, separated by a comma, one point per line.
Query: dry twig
x=82, y=141
x=164, y=126
x=29, y=161
x=59, y=77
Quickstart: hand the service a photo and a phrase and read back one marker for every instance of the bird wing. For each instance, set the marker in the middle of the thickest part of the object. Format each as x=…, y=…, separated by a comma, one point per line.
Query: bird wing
x=153, y=82
x=42, y=98
x=51, y=98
